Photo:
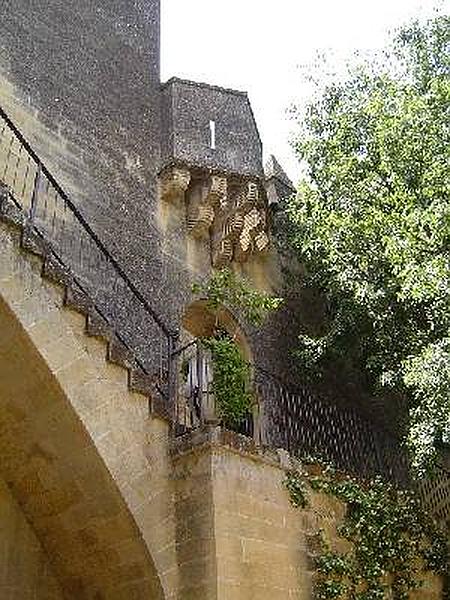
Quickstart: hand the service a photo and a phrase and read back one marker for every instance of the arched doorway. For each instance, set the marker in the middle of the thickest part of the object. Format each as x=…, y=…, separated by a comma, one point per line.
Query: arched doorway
x=199, y=399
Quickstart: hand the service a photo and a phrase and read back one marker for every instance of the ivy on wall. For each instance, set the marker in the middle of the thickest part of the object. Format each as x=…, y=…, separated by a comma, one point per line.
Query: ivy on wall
x=232, y=373
x=231, y=384
x=392, y=540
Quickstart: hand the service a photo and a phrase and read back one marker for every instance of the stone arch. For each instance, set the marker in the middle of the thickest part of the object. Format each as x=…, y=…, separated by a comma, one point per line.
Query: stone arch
x=200, y=321
x=73, y=449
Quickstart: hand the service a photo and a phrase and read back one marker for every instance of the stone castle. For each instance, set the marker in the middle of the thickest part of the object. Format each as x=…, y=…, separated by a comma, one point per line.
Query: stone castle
x=117, y=193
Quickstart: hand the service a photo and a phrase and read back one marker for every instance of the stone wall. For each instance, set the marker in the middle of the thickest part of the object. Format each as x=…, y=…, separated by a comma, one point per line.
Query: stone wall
x=188, y=108
x=82, y=84
x=238, y=536
x=195, y=533
x=73, y=443
x=120, y=507
x=81, y=81
x=231, y=500
x=25, y=570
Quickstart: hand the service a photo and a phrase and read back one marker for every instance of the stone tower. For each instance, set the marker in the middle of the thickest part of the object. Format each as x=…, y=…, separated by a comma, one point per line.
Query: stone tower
x=82, y=82
x=117, y=192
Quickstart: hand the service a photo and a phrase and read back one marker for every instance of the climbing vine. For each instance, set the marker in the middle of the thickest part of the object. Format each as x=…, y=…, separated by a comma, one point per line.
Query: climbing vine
x=231, y=384
x=226, y=288
x=232, y=381
x=391, y=538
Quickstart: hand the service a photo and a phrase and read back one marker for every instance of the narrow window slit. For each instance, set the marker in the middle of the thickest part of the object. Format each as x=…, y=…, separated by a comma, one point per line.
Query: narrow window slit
x=212, y=130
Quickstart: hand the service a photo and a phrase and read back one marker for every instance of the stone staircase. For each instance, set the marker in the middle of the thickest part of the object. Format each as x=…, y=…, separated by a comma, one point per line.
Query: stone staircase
x=75, y=297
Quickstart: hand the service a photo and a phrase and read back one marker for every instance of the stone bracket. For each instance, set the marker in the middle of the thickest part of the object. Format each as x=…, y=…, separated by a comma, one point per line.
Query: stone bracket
x=232, y=214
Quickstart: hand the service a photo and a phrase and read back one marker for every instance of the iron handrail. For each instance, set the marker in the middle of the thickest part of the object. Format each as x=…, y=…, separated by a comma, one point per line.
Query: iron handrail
x=170, y=334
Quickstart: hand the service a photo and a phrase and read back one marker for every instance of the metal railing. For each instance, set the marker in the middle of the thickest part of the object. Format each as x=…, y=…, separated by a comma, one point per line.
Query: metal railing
x=74, y=244
x=195, y=403
x=295, y=421
x=301, y=423
x=304, y=424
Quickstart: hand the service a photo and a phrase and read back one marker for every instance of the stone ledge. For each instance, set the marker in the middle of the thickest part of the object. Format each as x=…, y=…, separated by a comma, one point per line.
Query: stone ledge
x=219, y=438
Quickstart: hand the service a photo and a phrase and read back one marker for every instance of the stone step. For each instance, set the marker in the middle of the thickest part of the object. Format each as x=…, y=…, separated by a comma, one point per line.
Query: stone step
x=97, y=326
x=119, y=354
x=160, y=407
x=53, y=270
x=78, y=300
x=141, y=382
x=33, y=242
x=9, y=211
x=74, y=298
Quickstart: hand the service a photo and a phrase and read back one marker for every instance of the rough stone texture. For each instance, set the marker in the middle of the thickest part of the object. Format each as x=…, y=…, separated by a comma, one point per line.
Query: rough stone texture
x=188, y=108
x=77, y=451
x=232, y=498
x=278, y=185
x=195, y=535
x=73, y=441
x=120, y=512
x=234, y=492
x=82, y=83
x=25, y=571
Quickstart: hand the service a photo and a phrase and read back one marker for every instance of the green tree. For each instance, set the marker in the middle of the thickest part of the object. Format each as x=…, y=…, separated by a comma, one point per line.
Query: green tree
x=371, y=224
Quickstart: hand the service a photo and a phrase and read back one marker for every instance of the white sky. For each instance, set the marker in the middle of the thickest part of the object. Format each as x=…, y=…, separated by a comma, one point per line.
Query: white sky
x=259, y=46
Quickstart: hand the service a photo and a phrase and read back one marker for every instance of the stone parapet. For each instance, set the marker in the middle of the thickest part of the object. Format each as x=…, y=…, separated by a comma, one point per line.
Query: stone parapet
x=232, y=504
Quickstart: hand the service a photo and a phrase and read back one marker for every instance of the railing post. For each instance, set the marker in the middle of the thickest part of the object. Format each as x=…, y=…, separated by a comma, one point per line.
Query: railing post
x=259, y=433
x=34, y=197
x=172, y=375
x=199, y=356
x=207, y=400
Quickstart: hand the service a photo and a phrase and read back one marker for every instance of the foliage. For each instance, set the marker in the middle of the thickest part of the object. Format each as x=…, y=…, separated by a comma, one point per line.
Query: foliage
x=225, y=288
x=231, y=383
x=297, y=489
x=371, y=224
x=392, y=540
x=231, y=380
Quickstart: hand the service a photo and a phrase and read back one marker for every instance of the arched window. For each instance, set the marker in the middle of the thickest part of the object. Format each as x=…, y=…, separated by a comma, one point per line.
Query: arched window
x=198, y=403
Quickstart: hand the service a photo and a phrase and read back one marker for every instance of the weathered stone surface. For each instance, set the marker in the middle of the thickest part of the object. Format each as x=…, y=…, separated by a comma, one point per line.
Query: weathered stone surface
x=174, y=182
x=188, y=109
x=34, y=243
x=119, y=511
x=230, y=497
x=97, y=326
x=26, y=570
x=84, y=444
x=72, y=443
